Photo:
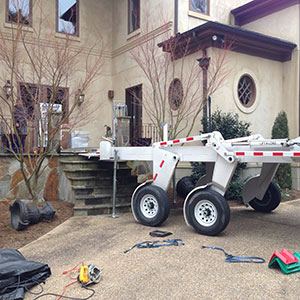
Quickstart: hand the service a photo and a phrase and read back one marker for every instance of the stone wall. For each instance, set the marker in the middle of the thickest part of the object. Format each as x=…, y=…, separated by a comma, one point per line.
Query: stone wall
x=53, y=184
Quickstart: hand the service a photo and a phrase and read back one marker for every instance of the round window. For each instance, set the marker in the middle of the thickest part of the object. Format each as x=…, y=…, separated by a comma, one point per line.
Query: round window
x=175, y=93
x=246, y=91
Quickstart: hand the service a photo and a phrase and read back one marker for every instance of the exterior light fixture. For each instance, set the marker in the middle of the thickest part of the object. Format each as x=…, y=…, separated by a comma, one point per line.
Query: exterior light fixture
x=204, y=62
x=111, y=94
x=7, y=89
x=80, y=96
x=214, y=38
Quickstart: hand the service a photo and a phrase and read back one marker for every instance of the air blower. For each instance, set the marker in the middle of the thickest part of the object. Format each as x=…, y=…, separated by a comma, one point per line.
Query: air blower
x=23, y=215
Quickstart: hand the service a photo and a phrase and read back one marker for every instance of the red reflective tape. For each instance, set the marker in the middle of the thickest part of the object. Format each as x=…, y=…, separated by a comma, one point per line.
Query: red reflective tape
x=296, y=153
x=155, y=177
x=176, y=141
x=258, y=153
x=162, y=163
x=277, y=153
x=97, y=152
x=240, y=153
x=189, y=139
x=163, y=143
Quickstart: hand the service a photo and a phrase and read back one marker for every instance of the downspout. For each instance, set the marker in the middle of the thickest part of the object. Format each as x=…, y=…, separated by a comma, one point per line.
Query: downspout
x=175, y=17
x=204, y=70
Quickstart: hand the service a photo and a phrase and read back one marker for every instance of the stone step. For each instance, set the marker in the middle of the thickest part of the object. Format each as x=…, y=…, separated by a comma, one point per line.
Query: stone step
x=100, y=181
x=71, y=157
x=86, y=190
x=71, y=165
x=101, y=164
x=101, y=199
x=101, y=209
x=96, y=172
x=79, y=165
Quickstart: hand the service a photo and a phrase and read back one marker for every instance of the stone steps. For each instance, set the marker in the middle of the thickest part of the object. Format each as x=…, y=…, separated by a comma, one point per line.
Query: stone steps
x=99, y=189
x=101, y=199
x=92, y=185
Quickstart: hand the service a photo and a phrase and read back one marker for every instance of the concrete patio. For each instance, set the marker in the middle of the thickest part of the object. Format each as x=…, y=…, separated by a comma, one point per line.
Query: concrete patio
x=182, y=272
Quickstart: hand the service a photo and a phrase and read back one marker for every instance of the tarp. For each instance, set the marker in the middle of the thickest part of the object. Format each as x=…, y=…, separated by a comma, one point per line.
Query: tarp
x=18, y=274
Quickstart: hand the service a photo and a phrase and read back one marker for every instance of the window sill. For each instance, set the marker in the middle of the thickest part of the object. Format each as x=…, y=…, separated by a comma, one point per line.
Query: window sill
x=67, y=36
x=134, y=34
x=198, y=15
x=26, y=28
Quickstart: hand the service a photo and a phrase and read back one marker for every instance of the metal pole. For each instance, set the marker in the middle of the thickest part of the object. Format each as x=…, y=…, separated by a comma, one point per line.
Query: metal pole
x=165, y=130
x=209, y=113
x=114, y=185
x=174, y=189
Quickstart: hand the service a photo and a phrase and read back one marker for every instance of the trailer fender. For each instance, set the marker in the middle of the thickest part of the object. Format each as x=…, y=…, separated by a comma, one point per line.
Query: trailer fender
x=133, y=194
x=202, y=187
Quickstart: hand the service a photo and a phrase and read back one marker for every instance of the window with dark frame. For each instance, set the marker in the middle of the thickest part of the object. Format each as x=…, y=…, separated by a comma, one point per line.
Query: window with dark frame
x=19, y=11
x=175, y=94
x=246, y=91
x=133, y=15
x=68, y=16
x=30, y=97
x=31, y=94
x=201, y=6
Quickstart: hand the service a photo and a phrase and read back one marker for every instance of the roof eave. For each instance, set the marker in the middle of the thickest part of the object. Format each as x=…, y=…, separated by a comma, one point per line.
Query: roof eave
x=235, y=39
x=257, y=9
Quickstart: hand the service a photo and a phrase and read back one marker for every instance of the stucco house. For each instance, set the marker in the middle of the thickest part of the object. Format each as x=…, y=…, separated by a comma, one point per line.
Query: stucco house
x=263, y=57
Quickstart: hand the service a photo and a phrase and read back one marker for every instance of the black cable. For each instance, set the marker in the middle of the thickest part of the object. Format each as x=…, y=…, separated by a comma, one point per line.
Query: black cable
x=67, y=297
x=17, y=285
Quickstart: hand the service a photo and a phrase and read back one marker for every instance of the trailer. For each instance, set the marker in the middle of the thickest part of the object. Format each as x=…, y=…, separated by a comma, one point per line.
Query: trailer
x=205, y=208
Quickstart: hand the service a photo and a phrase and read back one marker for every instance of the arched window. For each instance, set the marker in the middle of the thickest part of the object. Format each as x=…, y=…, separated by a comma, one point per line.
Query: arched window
x=175, y=93
x=246, y=90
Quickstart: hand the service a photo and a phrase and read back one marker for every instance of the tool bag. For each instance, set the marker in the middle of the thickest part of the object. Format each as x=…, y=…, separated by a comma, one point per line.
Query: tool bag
x=18, y=274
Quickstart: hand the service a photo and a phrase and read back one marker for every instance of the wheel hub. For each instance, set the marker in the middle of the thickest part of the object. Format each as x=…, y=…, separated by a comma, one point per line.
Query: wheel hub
x=205, y=213
x=149, y=206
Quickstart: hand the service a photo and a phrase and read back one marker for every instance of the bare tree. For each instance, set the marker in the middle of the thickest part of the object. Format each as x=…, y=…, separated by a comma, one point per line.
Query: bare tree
x=173, y=91
x=45, y=79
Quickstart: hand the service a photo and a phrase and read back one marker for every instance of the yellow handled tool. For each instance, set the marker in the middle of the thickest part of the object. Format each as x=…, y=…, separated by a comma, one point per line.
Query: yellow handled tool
x=89, y=274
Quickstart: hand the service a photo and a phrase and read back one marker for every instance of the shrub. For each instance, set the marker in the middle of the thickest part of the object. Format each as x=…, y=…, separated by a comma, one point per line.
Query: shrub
x=229, y=125
x=283, y=176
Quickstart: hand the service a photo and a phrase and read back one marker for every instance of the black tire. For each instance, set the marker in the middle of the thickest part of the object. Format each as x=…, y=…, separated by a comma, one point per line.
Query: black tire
x=151, y=205
x=184, y=186
x=270, y=201
x=208, y=212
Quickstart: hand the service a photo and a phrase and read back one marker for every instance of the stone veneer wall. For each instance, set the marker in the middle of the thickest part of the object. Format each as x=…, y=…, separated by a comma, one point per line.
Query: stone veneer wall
x=53, y=184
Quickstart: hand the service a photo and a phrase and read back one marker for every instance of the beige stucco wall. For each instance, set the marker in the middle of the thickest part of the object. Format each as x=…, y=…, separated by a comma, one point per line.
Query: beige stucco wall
x=268, y=76
x=95, y=38
x=275, y=81
x=219, y=12
x=284, y=24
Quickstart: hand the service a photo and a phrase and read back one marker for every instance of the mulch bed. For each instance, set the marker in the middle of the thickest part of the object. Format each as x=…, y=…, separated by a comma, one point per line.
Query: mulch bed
x=10, y=238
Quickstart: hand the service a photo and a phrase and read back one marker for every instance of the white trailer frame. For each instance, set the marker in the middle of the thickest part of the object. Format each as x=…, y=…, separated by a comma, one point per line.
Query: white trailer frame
x=205, y=208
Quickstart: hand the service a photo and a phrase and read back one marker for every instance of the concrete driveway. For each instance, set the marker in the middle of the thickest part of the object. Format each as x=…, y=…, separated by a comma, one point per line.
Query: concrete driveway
x=182, y=272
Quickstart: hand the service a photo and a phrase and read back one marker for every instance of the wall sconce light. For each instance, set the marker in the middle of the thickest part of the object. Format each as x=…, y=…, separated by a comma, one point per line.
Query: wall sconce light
x=7, y=89
x=111, y=94
x=204, y=62
x=80, y=96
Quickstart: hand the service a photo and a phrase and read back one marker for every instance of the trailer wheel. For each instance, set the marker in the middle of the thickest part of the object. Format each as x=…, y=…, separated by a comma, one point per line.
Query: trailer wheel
x=208, y=212
x=184, y=186
x=270, y=201
x=151, y=205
